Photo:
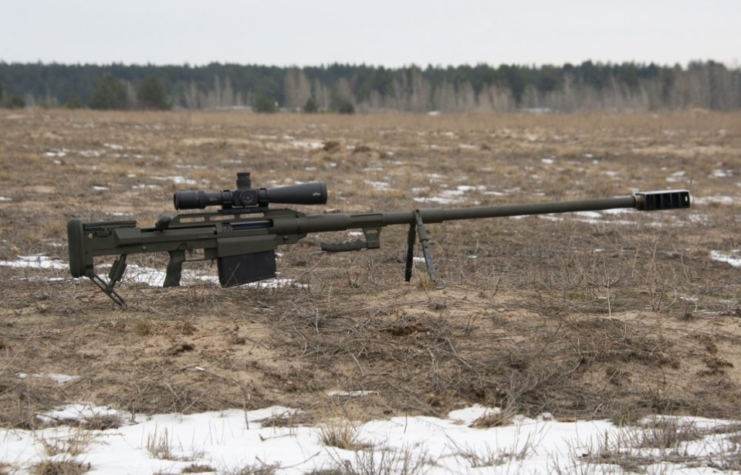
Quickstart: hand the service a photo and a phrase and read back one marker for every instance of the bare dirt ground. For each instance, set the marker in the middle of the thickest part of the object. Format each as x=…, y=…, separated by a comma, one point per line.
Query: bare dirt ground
x=596, y=316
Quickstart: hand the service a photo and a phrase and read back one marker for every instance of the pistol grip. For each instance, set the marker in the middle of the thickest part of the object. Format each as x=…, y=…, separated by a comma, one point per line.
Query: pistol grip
x=174, y=268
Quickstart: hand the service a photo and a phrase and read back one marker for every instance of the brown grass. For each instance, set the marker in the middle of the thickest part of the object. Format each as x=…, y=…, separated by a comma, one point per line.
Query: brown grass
x=615, y=318
x=60, y=467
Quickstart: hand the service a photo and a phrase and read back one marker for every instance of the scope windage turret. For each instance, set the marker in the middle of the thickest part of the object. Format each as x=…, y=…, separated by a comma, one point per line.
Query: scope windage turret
x=246, y=197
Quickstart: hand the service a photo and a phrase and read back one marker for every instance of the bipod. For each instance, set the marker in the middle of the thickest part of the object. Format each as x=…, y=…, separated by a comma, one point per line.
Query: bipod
x=117, y=271
x=418, y=229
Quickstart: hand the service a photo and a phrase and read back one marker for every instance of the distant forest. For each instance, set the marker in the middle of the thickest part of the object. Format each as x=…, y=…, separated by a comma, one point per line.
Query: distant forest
x=366, y=89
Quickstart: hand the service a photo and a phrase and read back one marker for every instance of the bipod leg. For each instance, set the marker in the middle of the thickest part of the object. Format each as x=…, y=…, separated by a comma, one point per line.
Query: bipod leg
x=114, y=276
x=423, y=241
x=411, y=237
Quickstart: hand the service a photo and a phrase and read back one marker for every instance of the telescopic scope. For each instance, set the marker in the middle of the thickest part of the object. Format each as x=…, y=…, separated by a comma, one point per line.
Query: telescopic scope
x=245, y=196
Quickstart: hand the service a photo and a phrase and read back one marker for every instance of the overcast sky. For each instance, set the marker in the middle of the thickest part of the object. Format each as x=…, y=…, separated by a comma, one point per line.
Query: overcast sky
x=379, y=32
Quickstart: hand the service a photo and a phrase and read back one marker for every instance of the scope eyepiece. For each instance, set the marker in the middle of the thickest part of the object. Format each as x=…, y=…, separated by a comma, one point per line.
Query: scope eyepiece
x=243, y=197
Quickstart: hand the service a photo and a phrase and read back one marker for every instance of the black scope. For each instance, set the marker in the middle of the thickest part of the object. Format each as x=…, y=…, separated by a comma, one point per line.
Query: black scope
x=247, y=197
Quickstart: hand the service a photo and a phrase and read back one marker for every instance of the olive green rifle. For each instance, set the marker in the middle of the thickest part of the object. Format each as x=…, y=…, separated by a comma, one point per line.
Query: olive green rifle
x=243, y=235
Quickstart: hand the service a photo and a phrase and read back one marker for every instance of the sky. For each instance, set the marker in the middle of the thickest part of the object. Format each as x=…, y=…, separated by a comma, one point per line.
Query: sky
x=382, y=32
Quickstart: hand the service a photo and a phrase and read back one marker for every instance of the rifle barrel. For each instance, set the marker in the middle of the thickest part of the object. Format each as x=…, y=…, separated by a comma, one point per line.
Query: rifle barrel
x=339, y=222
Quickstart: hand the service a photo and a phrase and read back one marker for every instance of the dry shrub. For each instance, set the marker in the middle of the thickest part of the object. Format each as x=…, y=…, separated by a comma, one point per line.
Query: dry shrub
x=339, y=432
x=159, y=445
x=263, y=469
x=144, y=327
x=498, y=418
x=198, y=468
x=401, y=461
x=667, y=433
x=74, y=444
x=60, y=467
x=292, y=419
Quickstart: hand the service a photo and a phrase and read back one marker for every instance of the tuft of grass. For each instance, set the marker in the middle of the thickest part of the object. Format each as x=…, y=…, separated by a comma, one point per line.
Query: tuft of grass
x=667, y=433
x=263, y=469
x=198, y=468
x=340, y=433
x=379, y=462
x=498, y=418
x=60, y=467
x=159, y=446
x=144, y=327
x=292, y=419
x=74, y=444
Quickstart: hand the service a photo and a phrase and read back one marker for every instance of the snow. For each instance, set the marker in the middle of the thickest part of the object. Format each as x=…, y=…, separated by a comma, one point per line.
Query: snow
x=2, y=198
x=143, y=275
x=547, y=161
x=307, y=144
x=100, y=188
x=177, y=180
x=589, y=214
x=378, y=185
x=725, y=200
x=676, y=176
x=617, y=211
x=733, y=258
x=440, y=200
x=36, y=261
x=452, y=196
x=350, y=393
x=59, y=378
x=231, y=440
x=56, y=153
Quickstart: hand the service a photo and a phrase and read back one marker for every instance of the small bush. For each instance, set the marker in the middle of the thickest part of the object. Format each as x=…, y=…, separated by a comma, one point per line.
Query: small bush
x=264, y=105
x=74, y=102
x=13, y=101
x=311, y=107
x=152, y=94
x=110, y=94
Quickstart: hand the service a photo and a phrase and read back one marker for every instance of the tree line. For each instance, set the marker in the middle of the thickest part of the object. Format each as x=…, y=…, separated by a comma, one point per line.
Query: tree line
x=348, y=88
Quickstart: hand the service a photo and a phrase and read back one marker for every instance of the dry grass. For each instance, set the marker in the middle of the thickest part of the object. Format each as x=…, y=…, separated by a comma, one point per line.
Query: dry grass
x=616, y=318
x=340, y=433
x=73, y=443
x=198, y=468
x=380, y=462
x=60, y=467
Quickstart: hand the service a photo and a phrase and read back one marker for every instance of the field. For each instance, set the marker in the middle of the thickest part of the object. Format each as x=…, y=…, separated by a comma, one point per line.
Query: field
x=584, y=316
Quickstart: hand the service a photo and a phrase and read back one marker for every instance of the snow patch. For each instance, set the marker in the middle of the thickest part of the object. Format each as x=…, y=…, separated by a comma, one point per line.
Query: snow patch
x=59, y=378
x=732, y=258
x=307, y=144
x=35, y=261
x=177, y=180
x=725, y=200
x=350, y=394
x=378, y=185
